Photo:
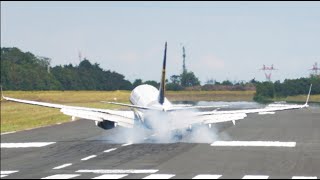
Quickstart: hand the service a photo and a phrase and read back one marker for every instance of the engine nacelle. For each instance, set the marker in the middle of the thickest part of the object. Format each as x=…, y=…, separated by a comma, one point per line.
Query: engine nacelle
x=106, y=124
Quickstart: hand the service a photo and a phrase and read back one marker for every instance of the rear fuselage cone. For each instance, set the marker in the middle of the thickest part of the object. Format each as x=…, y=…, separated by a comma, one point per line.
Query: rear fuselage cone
x=148, y=96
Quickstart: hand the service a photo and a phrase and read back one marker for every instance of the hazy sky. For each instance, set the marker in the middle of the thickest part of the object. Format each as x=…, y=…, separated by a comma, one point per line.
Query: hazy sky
x=223, y=40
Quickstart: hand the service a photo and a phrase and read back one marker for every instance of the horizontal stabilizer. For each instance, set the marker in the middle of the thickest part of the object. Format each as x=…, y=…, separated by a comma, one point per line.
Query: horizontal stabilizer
x=130, y=105
x=177, y=108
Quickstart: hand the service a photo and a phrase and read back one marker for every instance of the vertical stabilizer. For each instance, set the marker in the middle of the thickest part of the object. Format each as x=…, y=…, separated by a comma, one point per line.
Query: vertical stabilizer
x=163, y=78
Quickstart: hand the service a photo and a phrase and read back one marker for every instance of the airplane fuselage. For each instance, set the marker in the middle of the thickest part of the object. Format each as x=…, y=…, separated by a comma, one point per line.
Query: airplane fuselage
x=148, y=96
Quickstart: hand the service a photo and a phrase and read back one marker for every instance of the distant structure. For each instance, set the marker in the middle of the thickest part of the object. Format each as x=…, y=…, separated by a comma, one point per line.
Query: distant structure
x=268, y=71
x=184, y=69
x=80, y=56
x=315, y=69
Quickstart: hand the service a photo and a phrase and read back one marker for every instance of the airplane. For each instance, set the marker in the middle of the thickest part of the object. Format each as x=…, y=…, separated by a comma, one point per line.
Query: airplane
x=146, y=98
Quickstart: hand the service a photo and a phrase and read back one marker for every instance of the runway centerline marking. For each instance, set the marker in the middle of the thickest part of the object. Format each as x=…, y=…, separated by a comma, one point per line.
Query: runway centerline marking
x=255, y=177
x=127, y=144
x=61, y=176
x=89, y=157
x=159, y=176
x=207, y=176
x=109, y=150
x=254, y=143
x=304, y=177
x=63, y=166
x=111, y=176
x=25, y=145
x=119, y=171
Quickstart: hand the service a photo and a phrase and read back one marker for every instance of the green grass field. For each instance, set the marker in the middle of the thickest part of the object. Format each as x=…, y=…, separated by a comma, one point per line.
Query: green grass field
x=16, y=116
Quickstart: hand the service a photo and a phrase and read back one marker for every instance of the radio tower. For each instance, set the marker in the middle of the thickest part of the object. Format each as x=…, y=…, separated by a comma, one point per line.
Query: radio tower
x=315, y=68
x=80, y=56
x=268, y=71
x=184, y=69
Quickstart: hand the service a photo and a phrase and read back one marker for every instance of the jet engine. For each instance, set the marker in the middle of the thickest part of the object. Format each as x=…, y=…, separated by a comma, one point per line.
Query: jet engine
x=105, y=124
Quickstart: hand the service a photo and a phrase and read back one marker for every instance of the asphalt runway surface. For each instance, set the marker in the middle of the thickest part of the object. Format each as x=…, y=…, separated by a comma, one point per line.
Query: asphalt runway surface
x=81, y=150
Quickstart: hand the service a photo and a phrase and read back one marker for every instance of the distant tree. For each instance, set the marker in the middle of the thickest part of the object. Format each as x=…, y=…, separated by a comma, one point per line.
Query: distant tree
x=227, y=83
x=137, y=82
x=188, y=79
x=153, y=83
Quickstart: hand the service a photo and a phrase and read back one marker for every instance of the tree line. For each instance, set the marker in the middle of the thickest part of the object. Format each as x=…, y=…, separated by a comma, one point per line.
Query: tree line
x=266, y=91
x=26, y=71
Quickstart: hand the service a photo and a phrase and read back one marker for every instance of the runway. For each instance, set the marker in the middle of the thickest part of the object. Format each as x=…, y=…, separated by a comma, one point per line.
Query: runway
x=81, y=150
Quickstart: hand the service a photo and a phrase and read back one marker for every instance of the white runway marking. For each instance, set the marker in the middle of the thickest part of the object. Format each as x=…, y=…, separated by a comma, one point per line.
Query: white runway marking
x=255, y=177
x=304, y=177
x=119, y=171
x=25, y=145
x=254, y=143
x=61, y=176
x=127, y=144
x=109, y=150
x=89, y=157
x=8, y=133
x=207, y=176
x=266, y=113
x=159, y=176
x=63, y=166
x=111, y=176
x=7, y=172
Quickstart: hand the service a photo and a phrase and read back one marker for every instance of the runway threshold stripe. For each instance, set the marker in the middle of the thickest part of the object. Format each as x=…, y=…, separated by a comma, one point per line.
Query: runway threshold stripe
x=7, y=172
x=63, y=166
x=111, y=176
x=25, y=145
x=254, y=143
x=159, y=176
x=89, y=157
x=109, y=150
x=119, y=171
x=255, y=177
x=207, y=176
x=61, y=176
x=304, y=177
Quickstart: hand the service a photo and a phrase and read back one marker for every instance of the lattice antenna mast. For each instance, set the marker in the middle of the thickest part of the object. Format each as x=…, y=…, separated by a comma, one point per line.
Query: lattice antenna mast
x=80, y=56
x=184, y=60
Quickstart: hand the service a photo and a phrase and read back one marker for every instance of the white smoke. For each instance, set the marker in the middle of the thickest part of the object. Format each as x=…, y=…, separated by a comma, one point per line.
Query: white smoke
x=168, y=127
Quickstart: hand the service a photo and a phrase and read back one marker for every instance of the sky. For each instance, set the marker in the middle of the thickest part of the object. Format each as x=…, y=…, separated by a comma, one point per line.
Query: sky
x=223, y=40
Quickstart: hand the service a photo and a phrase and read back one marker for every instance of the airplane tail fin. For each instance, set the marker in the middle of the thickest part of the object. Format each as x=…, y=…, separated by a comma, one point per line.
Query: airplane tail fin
x=163, y=78
x=306, y=104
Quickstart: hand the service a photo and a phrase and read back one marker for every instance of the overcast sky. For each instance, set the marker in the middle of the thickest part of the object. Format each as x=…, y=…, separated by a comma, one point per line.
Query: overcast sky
x=223, y=40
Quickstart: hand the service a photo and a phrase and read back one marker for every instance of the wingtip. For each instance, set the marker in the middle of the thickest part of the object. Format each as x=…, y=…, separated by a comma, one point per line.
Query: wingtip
x=2, y=97
x=308, y=97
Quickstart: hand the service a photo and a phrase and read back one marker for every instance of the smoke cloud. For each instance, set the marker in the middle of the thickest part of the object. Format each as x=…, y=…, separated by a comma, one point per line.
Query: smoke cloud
x=168, y=127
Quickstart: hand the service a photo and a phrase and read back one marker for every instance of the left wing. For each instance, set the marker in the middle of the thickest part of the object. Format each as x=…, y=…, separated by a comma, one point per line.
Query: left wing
x=122, y=118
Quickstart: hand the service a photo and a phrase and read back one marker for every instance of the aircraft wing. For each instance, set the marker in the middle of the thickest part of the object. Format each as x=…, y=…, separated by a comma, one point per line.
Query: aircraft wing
x=122, y=118
x=211, y=117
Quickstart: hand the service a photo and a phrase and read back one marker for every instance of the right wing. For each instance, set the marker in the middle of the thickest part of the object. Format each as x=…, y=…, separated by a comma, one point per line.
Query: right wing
x=211, y=117
x=122, y=118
